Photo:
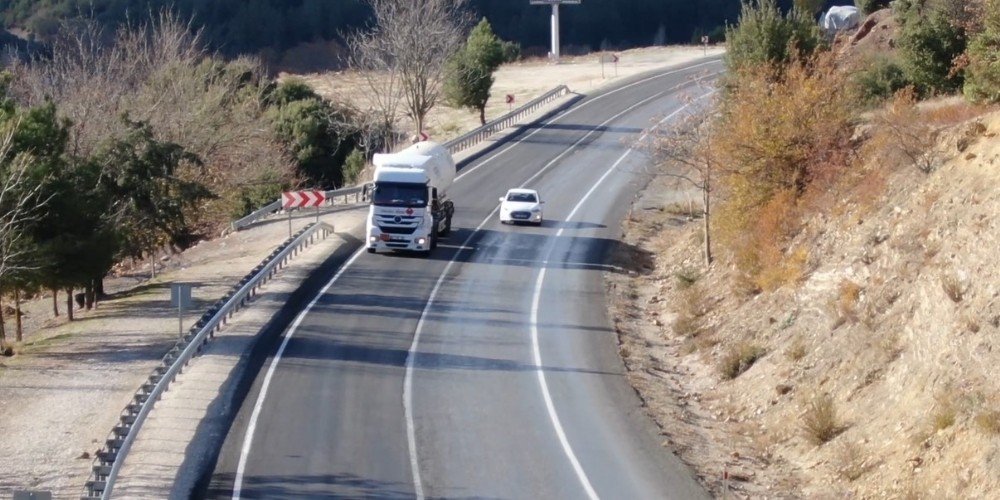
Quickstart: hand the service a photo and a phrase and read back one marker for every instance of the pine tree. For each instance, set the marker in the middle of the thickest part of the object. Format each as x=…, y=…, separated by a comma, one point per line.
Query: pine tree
x=983, y=73
x=470, y=72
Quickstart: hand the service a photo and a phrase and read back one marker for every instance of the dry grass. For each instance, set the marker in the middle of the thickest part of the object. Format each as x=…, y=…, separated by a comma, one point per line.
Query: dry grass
x=797, y=349
x=851, y=461
x=692, y=306
x=844, y=304
x=820, y=421
x=945, y=412
x=952, y=112
x=789, y=271
x=953, y=287
x=989, y=421
x=686, y=210
x=738, y=359
x=687, y=326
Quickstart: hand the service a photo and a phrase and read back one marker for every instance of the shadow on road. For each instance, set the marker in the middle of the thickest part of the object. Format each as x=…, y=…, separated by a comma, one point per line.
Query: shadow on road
x=527, y=246
x=308, y=486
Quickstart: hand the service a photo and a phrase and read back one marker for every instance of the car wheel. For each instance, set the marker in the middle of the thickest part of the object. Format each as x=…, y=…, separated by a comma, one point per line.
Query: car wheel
x=371, y=250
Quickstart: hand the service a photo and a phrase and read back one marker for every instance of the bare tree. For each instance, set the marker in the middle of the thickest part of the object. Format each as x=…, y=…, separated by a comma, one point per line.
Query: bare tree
x=20, y=204
x=403, y=54
x=688, y=154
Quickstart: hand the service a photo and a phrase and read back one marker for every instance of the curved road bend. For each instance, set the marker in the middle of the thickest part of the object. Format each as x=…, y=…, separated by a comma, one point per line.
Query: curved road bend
x=488, y=370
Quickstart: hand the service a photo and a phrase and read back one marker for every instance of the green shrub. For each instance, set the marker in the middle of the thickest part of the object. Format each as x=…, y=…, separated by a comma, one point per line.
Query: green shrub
x=511, y=51
x=879, y=80
x=319, y=137
x=254, y=196
x=868, y=6
x=929, y=43
x=763, y=35
x=353, y=166
x=983, y=73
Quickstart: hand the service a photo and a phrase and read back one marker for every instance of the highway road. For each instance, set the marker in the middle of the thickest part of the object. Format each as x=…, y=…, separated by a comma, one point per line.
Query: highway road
x=490, y=369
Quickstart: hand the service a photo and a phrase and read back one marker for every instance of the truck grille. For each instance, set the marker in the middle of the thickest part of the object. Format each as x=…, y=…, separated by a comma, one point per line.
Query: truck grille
x=397, y=229
x=397, y=224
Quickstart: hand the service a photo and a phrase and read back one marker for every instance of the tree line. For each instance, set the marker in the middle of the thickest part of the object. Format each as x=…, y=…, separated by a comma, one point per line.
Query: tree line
x=118, y=146
x=236, y=27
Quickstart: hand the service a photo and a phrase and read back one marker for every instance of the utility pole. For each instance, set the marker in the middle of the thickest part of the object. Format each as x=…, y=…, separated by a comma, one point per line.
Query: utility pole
x=554, y=51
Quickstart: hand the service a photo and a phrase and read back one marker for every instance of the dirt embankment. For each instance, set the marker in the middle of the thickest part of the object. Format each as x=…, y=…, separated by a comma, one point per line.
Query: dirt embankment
x=875, y=376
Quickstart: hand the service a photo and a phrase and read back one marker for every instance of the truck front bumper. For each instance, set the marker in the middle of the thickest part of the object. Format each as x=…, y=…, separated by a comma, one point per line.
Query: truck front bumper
x=409, y=242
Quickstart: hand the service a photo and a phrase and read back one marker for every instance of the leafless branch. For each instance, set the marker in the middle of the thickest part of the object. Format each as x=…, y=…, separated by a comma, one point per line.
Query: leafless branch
x=403, y=53
x=20, y=204
x=687, y=153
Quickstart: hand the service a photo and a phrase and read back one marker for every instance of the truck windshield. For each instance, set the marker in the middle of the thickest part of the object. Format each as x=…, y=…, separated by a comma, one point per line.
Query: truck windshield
x=394, y=194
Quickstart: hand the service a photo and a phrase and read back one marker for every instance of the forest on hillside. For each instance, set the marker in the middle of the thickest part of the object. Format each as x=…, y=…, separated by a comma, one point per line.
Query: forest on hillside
x=248, y=26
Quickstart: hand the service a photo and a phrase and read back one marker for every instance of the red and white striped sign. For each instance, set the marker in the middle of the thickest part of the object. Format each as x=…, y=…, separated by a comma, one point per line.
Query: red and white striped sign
x=300, y=199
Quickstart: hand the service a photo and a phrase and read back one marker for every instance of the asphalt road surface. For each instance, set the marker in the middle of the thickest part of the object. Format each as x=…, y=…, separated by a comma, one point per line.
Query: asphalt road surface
x=490, y=369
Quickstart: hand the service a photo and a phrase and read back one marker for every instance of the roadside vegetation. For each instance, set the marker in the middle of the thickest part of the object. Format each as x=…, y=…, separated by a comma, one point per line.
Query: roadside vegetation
x=833, y=305
x=118, y=147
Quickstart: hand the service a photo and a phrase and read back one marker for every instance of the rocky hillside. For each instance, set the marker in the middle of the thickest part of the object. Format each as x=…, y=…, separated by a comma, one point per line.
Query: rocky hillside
x=874, y=375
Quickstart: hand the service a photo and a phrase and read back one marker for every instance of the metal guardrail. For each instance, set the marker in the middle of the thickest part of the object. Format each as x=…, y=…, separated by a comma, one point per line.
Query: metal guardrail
x=482, y=133
x=453, y=146
x=275, y=206
x=109, y=460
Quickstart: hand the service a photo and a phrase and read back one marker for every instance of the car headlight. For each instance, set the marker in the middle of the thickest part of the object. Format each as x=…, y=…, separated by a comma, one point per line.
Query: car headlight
x=536, y=209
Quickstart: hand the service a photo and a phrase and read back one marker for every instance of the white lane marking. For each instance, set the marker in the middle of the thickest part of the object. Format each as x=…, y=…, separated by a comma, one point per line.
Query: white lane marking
x=537, y=354
x=411, y=439
x=573, y=110
x=258, y=406
x=411, y=434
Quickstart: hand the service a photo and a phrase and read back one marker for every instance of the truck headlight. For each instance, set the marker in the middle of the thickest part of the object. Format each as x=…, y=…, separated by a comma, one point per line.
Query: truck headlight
x=421, y=241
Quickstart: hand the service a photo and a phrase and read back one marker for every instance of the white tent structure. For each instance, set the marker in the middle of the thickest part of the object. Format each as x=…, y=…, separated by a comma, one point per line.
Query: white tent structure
x=840, y=18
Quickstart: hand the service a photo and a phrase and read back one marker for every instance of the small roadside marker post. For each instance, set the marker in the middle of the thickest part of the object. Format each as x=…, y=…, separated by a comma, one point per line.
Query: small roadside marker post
x=180, y=297
x=725, y=483
x=608, y=58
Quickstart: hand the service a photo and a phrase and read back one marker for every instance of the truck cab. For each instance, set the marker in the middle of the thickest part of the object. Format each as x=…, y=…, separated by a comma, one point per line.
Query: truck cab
x=409, y=209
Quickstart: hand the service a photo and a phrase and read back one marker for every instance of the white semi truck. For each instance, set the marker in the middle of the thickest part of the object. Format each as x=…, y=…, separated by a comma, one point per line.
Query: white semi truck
x=410, y=208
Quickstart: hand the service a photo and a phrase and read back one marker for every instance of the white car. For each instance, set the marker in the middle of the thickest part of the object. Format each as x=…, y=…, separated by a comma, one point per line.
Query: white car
x=521, y=205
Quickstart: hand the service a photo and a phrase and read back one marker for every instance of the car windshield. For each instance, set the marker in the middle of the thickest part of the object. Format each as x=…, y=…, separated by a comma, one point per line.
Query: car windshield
x=392, y=194
x=523, y=197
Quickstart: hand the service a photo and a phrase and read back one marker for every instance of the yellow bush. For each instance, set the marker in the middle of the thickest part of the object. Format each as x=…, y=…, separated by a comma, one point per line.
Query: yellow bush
x=779, y=131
